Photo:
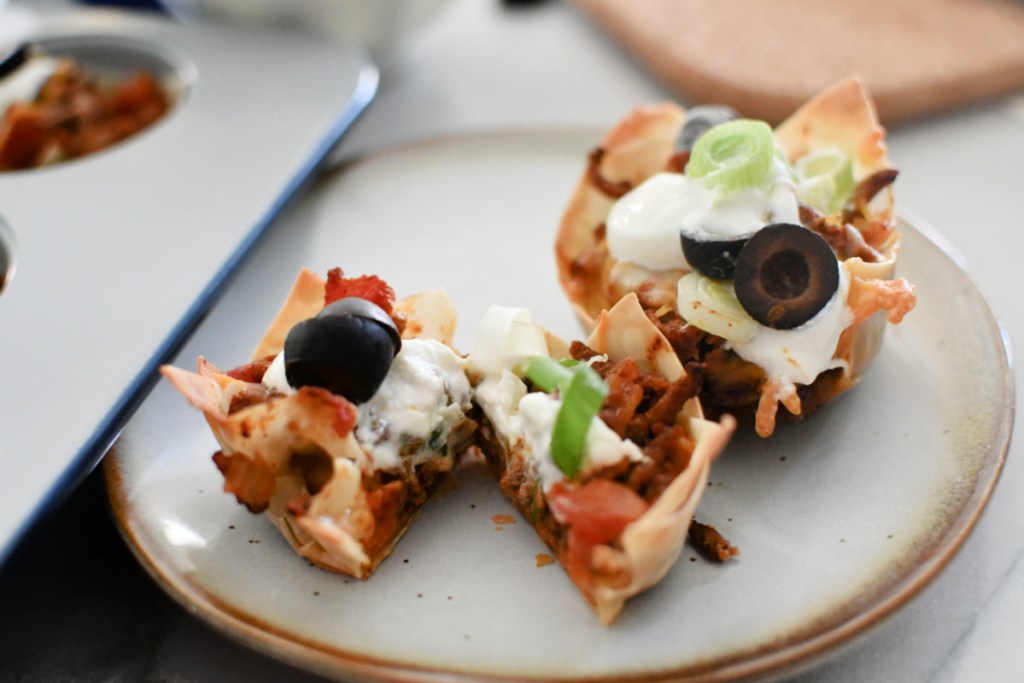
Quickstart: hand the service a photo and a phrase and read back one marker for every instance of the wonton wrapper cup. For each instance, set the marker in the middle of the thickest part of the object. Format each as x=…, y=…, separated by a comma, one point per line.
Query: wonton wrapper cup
x=650, y=545
x=289, y=449
x=642, y=144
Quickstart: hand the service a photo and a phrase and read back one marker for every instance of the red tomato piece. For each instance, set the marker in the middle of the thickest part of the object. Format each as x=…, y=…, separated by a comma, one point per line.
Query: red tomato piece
x=369, y=287
x=252, y=372
x=597, y=511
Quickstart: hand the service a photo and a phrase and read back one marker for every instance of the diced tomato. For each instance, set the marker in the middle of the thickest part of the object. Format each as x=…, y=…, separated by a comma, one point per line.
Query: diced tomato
x=369, y=287
x=595, y=513
x=252, y=372
x=598, y=511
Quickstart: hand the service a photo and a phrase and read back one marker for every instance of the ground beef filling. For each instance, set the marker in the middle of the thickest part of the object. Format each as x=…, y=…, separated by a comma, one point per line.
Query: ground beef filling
x=731, y=384
x=710, y=543
x=640, y=406
x=392, y=496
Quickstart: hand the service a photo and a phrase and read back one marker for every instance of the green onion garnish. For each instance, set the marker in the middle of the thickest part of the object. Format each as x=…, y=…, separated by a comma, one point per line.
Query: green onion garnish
x=582, y=392
x=734, y=155
x=826, y=180
x=547, y=374
x=581, y=401
x=712, y=306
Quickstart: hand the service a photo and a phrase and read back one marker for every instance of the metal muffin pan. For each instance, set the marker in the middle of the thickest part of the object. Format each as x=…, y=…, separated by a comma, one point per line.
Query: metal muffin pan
x=115, y=56
x=121, y=253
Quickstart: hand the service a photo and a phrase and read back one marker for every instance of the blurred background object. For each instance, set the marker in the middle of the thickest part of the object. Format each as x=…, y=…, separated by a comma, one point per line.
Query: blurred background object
x=765, y=58
x=376, y=25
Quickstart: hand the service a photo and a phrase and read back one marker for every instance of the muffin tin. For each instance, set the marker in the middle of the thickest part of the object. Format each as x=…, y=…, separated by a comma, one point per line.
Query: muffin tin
x=120, y=254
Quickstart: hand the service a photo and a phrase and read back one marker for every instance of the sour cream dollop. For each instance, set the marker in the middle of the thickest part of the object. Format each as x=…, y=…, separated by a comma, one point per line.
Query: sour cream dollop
x=799, y=355
x=507, y=337
x=412, y=413
x=643, y=228
x=644, y=224
x=425, y=393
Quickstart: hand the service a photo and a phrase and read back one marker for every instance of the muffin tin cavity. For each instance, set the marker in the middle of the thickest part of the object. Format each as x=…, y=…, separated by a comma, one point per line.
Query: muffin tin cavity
x=120, y=86
x=115, y=57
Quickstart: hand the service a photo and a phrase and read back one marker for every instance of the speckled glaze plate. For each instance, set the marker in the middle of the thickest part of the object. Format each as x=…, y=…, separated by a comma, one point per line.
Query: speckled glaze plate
x=840, y=519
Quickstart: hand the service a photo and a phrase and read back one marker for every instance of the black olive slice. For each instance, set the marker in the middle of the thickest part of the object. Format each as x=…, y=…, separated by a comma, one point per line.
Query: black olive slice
x=353, y=305
x=347, y=349
x=711, y=257
x=785, y=274
x=11, y=59
x=701, y=119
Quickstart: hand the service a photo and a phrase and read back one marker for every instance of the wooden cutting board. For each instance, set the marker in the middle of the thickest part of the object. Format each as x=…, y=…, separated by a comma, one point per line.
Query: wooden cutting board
x=766, y=57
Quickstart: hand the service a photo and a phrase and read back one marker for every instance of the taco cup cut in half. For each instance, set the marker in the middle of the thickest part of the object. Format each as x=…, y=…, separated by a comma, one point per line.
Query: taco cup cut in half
x=602, y=446
x=766, y=258
x=350, y=414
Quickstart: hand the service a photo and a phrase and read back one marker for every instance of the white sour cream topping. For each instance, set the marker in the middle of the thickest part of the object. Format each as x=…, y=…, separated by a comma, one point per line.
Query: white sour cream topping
x=275, y=378
x=643, y=228
x=799, y=355
x=604, y=447
x=505, y=339
x=25, y=83
x=423, y=395
x=527, y=421
x=644, y=224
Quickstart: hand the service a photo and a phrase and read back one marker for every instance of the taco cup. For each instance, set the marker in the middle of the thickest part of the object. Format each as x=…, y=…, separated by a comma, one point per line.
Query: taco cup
x=618, y=514
x=645, y=208
x=341, y=466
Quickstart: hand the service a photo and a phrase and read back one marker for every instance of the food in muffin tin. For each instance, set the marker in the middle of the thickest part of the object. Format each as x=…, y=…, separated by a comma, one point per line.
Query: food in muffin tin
x=53, y=109
x=766, y=257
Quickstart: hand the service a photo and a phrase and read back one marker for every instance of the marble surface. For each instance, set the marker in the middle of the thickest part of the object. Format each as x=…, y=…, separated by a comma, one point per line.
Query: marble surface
x=75, y=606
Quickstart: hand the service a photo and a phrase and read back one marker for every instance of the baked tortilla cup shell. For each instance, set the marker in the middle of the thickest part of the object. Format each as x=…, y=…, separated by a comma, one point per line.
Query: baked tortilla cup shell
x=642, y=144
x=650, y=545
x=290, y=449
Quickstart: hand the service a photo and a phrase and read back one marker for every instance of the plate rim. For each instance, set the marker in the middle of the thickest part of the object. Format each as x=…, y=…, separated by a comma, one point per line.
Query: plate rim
x=802, y=650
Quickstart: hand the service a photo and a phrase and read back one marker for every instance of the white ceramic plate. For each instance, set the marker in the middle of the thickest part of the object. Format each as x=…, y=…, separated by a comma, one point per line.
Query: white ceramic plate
x=840, y=519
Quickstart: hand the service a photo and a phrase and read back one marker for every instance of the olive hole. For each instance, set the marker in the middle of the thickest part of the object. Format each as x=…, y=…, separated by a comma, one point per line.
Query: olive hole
x=785, y=275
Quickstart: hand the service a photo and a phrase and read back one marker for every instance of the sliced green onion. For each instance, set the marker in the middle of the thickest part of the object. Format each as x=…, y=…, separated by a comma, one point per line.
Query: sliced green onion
x=582, y=392
x=712, y=306
x=581, y=401
x=547, y=374
x=825, y=180
x=734, y=155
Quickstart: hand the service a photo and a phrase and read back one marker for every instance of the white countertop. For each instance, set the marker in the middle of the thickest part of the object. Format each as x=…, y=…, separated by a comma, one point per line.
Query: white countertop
x=478, y=67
